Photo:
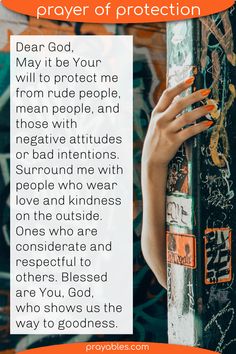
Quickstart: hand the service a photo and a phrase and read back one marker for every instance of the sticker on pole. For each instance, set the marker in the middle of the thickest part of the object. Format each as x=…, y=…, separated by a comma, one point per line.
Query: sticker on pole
x=179, y=210
x=181, y=249
x=218, y=257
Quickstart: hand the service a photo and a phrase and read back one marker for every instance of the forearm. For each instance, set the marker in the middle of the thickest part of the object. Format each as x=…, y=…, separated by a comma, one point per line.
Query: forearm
x=153, y=231
x=165, y=135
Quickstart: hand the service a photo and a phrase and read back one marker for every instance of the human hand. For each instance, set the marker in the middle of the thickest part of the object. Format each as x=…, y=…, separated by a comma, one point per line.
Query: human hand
x=166, y=131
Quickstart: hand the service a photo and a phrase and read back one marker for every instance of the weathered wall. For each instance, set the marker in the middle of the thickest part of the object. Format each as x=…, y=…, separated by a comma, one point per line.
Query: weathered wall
x=149, y=80
x=201, y=206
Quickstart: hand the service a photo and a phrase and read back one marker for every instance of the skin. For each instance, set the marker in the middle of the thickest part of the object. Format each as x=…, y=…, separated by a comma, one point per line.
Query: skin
x=165, y=135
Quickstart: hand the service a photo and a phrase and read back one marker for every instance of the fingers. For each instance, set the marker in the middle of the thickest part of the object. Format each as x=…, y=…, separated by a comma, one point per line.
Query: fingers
x=190, y=117
x=194, y=130
x=170, y=93
x=184, y=102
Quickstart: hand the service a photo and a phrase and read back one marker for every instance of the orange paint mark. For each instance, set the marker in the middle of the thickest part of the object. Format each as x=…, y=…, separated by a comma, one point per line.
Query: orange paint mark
x=42, y=27
x=181, y=249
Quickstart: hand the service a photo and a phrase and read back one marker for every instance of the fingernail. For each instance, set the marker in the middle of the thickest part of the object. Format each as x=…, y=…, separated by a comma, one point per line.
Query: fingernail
x=190, y=80
x=205, y=92
x=210, y=107
x=208, y=123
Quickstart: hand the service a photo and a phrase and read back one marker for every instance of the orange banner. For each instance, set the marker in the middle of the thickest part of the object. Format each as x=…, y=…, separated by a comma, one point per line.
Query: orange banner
x=113, y=11
x=117, y=347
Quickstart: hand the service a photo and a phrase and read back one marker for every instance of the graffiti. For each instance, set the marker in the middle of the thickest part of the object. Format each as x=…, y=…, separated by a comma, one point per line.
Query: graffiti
x=208, y=53
x=224, y=37
x=191, y=297
x=181, y=250
x=222, y=322
x=181, y=308
x=217, y=180
x=219, y=133
x=178, y=175
x=179, y=211
x=218, y=267
x=218, y=30
x=218, y=188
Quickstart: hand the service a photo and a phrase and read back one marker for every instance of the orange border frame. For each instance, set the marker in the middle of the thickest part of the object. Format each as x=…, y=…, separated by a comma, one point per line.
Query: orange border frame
x=194, y=245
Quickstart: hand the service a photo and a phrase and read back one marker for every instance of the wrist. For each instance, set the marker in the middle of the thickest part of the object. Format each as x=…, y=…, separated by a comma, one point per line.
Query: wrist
x=154, y=172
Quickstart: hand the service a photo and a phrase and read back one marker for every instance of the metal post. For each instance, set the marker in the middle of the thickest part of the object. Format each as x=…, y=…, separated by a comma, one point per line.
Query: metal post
x=201, y=205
